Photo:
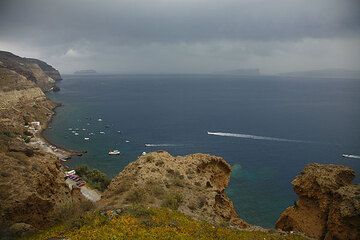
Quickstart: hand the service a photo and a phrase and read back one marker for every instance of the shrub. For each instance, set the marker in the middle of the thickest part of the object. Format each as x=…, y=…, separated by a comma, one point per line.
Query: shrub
x=136, y=196
x=172, y=201
x=93, y=177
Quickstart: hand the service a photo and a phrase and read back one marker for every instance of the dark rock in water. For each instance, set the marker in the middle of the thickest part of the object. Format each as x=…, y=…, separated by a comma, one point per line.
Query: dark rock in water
x=56, y=89
x=328, y=205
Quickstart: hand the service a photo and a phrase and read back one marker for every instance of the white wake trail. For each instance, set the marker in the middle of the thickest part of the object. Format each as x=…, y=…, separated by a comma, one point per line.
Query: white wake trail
x=160, y=145
x=248, y=136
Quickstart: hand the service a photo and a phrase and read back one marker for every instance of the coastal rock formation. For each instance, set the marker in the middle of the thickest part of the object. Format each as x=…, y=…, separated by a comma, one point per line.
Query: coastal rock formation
x=32, y=187
x=34, y=70
x=47, y=69
x=328, y=205
x=193, y=184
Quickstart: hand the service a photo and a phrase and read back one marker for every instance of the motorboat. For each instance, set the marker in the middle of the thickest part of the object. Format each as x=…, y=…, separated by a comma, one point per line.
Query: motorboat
x=114, y=152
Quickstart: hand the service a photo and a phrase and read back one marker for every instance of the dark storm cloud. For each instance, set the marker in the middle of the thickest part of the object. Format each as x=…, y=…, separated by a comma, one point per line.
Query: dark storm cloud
x=183, y=35
x=139, y=21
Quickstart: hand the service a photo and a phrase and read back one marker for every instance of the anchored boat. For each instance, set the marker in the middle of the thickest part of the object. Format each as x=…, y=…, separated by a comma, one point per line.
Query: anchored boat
x=114, y=152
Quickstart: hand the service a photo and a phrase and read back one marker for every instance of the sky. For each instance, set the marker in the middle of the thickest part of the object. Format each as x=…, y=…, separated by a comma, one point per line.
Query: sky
x=184, y=36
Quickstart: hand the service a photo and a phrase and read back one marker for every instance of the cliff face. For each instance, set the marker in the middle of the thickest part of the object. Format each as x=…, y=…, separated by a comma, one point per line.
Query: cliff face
x=46, y=68
x=328, y=205
x=32, y=186
x=34, y=70
x=192, y=184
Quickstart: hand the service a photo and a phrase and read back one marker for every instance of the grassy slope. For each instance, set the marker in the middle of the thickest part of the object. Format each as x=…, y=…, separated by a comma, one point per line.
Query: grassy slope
x=141, y=223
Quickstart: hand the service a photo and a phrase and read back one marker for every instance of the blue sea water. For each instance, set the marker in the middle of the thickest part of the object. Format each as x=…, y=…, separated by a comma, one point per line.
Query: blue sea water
x=321, y=117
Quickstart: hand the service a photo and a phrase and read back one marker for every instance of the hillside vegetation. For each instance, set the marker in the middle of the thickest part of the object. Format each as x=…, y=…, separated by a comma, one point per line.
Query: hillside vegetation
x=137, y=222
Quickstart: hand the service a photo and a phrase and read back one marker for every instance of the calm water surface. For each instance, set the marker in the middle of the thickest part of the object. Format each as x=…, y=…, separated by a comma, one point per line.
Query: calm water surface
x=296, y=121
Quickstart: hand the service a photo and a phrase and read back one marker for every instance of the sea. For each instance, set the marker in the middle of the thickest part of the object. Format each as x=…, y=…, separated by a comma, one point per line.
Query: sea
x=267, y=127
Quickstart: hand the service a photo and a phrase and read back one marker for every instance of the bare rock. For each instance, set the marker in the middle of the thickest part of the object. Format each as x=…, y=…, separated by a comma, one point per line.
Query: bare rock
x=328, y=205
x=193, y=184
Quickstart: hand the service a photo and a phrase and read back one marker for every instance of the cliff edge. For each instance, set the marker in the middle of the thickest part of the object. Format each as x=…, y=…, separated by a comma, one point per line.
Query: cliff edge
x=328, y=205
x=32, y=187
x=192, y=184
x=37, y=71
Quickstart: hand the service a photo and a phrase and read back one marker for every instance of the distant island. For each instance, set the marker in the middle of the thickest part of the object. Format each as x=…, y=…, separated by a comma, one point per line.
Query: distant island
x=325, y=73
x=85, y=72
x=241, y=71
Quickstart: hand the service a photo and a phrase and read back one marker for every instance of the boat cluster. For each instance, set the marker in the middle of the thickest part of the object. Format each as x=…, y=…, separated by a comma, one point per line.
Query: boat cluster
x=75, y=178
x=87, y=134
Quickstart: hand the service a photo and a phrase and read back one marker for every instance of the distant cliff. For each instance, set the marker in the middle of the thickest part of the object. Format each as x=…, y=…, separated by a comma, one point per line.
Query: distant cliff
x=86, y=72
x=39, y=72
x=325, y=73
x=241, y=71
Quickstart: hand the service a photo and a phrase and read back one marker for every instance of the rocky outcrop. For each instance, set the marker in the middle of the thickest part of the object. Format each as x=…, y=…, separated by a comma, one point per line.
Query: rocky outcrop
x=33, y=192
x=34, y=70
x=328, y=205
x=192, y=184
x=47, y=69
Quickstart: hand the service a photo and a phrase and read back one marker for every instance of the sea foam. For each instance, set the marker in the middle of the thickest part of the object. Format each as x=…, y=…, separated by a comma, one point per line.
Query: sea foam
x=161, y=145
x=255, y=137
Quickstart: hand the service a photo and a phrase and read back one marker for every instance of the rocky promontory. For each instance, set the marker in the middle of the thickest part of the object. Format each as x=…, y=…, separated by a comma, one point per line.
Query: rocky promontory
x=192, y=184
x=34, y=70
x=328, y=206
x=32, y=187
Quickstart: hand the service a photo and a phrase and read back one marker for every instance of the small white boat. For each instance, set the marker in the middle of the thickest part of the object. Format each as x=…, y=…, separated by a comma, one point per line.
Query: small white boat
x=143, y=153
x=114, y=152
x=76, y=134
x=99, y=120
x=86, y=139
x=70, y=129
x=84, y=129
x=71, y=172
x=127, y=141
x=102, y=132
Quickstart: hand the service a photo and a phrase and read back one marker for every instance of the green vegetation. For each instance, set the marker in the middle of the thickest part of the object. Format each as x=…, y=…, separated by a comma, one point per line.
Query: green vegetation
x=136, y=196
x=27, y=139
x=172, y=201
x=94, y=177
x=148, y=223
x=7, y=134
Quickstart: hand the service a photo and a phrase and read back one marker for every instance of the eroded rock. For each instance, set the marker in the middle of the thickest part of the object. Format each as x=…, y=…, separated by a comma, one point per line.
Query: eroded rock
x=193, y=184
x=328, y=205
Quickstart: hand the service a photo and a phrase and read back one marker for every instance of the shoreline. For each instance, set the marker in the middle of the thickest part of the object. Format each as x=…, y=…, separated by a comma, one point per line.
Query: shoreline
x=59, y=151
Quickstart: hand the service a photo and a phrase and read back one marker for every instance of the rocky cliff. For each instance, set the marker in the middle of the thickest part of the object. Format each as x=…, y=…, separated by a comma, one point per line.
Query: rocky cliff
x=34, y=70
x=32, y=187
x=192, y=184
x=328, y=205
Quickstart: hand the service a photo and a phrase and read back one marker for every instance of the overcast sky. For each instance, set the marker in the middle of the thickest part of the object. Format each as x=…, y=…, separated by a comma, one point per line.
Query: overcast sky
x=184, y=36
